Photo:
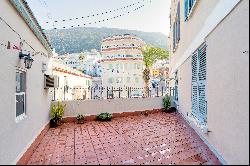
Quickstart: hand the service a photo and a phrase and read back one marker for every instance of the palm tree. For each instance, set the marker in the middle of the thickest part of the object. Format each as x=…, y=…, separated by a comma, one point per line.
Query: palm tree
x=150, y=55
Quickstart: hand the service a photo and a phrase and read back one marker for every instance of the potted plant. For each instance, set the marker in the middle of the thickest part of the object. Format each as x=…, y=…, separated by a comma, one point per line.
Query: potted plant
x=80, y=118
x=104, y=117
x=167, y=104
x=57, y=112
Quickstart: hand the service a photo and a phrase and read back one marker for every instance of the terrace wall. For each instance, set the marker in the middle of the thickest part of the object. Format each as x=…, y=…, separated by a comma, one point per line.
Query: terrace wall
x=94, y=107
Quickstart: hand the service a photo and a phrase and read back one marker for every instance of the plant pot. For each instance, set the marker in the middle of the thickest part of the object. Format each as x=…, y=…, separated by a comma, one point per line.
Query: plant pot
x=104, y=120
x=80, y=121
x=170, y=110
x=53, y=124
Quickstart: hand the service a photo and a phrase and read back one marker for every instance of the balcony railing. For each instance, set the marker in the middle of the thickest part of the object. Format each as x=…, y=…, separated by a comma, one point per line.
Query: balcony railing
x=101, y=93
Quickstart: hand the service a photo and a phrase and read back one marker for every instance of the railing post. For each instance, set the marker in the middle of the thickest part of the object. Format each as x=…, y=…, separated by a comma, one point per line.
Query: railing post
x=162, y=91
x=112, y=92
x=54, y=94
x=119, y=92
x=94, y=93
x=148, y=91
x=107, y=92
x=157, y=91
x=64, y=92
x=128, y=91
x=88, y=92
x=102, y=91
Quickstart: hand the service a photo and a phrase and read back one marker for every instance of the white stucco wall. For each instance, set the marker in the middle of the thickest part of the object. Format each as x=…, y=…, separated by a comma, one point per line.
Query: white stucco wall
x=94, y=107
x=228, y=86
x=227, y=74
x=17, y=137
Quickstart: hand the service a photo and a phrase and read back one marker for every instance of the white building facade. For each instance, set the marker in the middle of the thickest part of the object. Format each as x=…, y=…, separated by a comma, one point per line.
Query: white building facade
x=72, y=84
x=86, y=62
x=122, y=64
x=24, y=104
x=209, y=68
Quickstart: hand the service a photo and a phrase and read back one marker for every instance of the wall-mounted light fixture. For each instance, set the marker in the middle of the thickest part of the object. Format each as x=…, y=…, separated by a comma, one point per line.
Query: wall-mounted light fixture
x=27, y=60
x=44, y=67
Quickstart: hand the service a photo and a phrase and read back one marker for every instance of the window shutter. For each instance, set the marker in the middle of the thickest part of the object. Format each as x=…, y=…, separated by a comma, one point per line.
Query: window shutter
x=186, y=9
x=194, y=96
x=202, y=76
x=199, y=103
x=174, y=36
x=178, y=22
x=202, y=62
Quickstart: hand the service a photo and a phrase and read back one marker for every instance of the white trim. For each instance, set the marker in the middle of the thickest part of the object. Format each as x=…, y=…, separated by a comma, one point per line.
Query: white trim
x=200, y=132
x=23, y=115
x=222, y=9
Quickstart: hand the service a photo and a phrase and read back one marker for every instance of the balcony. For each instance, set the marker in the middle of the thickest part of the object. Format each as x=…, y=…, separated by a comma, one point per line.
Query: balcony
x=139, y=134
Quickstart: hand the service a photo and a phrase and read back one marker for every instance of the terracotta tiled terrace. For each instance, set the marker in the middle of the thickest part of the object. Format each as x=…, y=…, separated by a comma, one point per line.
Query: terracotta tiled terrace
x=157, y=138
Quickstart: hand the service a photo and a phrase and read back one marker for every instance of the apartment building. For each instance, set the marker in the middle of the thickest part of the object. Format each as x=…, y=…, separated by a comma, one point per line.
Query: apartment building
x=209, y=67
x=85, y=61
x=122, y=63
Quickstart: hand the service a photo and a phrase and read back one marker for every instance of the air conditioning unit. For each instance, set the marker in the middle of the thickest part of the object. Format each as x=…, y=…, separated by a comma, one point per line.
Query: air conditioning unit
x=50, y=81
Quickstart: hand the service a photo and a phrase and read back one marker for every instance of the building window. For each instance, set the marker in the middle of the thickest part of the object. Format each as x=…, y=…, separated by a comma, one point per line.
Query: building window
x=188, y=7
x=110, y=66
x=126, y=66
x=138, y=66
x=111, y=80
x=119, y=80
x=20, y=95
x=136, y=80
x=176, y=28
x=128, y=79
x=176, y=95
x=121, y=66
x=135, y=65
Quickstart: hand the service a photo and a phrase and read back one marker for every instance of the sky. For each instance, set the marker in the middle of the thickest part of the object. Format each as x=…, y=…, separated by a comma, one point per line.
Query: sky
x=153, y=17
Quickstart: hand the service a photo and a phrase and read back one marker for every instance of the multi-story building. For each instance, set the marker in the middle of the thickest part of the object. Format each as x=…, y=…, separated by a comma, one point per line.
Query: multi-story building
x=72, y=84
x=209, y=68
x=122, y=63
x=86, y=62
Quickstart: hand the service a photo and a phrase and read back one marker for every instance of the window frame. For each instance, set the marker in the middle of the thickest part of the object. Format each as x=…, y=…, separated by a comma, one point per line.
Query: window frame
x=24, y=114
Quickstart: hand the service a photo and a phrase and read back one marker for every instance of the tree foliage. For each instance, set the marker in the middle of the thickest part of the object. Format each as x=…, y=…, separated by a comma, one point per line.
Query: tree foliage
x=151, y=54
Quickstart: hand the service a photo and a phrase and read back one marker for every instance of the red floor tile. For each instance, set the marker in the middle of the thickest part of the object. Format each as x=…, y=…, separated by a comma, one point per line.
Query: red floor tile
x=142, y=140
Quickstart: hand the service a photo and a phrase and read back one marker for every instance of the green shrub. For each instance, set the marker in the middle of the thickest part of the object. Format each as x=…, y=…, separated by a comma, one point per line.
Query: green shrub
x=166, y=103
x=57, y=112
x=104, y=117
x=80, y=118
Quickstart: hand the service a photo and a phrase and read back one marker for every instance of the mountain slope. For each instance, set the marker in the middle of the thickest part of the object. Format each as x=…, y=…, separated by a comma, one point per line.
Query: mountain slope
x=77, y=40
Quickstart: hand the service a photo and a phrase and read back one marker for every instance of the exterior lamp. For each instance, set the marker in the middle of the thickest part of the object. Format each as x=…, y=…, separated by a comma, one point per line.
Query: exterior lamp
x=27, y=60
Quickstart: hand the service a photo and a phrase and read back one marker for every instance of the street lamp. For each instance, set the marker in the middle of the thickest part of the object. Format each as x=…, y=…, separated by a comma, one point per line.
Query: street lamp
x=27, y=60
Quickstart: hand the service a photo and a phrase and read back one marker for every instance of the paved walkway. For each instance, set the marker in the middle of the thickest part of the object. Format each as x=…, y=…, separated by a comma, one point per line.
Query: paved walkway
x=154, y=139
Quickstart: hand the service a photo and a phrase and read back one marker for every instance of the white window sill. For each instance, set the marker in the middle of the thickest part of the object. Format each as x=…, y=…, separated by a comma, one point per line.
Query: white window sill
x=194, y=123
x=20, y=118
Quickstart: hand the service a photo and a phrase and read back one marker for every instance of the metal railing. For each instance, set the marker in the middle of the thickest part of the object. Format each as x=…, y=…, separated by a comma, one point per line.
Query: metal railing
x=98, y=93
